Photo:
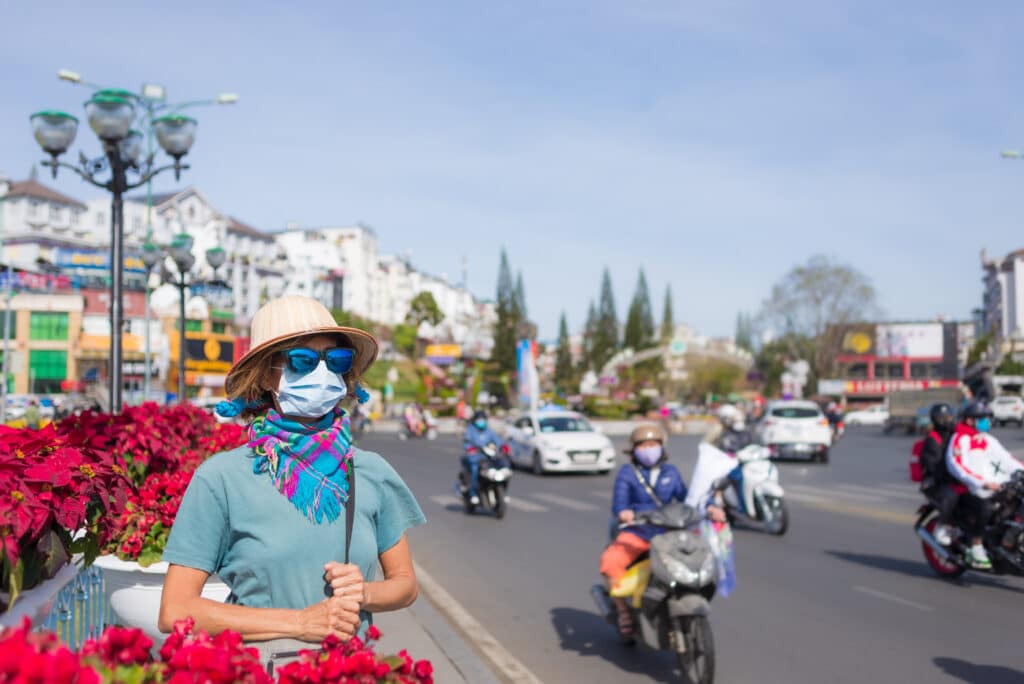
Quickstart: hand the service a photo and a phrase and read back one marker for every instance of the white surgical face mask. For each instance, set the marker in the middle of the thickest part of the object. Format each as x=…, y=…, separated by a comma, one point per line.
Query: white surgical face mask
x=648, y=455
x=311, y=395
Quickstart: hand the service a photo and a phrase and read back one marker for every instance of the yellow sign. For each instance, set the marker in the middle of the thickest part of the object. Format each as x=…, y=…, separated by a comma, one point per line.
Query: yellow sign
x=452, y=351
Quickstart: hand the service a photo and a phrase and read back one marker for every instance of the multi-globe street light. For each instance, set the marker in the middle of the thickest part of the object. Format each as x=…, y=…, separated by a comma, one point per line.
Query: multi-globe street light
x=111, y=114
x=180, y=251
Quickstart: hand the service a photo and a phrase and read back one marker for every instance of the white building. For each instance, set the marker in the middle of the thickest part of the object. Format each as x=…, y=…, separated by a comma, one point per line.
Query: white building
x=1002, y=313
x=40, y=225
x=254, y=268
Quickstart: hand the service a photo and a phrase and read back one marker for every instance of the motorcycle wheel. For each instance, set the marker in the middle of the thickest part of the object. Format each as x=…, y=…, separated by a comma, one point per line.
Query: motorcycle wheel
x=499, y=502
x=698, y=663
x=780, y=521
x=942, y=568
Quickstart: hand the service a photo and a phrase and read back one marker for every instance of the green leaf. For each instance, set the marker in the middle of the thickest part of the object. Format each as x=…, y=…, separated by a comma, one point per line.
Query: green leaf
x=16, y=580
x=149, y=556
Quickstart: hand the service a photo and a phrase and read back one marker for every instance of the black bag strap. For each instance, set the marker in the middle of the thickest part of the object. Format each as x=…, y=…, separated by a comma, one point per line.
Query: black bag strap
x=647, y=486
x=350, y=506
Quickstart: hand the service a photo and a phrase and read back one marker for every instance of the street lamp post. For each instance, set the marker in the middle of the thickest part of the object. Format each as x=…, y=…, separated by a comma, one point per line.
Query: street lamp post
x=110, y=114
x=151, y=256
x=181, y=253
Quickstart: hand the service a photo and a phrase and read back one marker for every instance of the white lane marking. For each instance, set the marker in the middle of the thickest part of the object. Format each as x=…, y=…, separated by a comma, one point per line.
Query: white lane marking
x=878, y=491
x=601, y=493
x=893, y=599
x=833, y=494
x=564, y=501
x=446, y=500
x=504, y=662
x=525, y=506
x=806, y=498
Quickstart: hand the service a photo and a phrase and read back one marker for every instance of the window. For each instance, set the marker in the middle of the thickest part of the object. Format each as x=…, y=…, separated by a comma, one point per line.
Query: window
x=54, y=212
x=564, y=424
x=46, y=370
x=219, y=328
x=919, y=370
x=193, y=326
x=857, y=371
x=101, y=219
x=14, y=326
x=796, y=412
x=889, y=370
x=33, y=208
x=48, y=325
x=136, y=224
x=74, y=217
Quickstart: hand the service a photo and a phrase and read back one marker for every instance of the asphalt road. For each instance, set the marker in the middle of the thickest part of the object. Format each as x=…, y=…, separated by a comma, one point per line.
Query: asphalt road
x=845, y=596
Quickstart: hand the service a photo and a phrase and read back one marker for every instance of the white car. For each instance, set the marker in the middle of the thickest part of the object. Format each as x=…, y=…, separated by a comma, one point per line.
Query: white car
x=877, y=415
x=795, y=429
x=1008, y=410
x=558, y=441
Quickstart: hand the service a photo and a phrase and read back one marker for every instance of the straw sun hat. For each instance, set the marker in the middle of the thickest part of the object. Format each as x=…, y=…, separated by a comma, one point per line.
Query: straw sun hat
x=292, y=318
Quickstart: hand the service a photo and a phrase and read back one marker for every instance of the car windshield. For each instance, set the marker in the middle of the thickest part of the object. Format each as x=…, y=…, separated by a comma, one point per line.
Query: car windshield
x=564, y=424
x=795, y=412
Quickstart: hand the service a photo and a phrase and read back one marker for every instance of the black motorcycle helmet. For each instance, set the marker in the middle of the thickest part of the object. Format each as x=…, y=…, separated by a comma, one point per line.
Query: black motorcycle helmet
x=977, y=409
x=943, y=417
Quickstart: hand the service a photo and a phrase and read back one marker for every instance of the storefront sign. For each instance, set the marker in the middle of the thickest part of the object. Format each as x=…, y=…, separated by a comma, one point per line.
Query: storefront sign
x=74, y=259
x=879, y=387
x=443, y=351
x=21, y=281
x=209, y=352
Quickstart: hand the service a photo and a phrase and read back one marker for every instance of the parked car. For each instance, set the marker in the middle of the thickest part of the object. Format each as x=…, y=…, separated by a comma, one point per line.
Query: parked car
x=873, y=415
x=795, y=429
x=1008, y=410
x=559, y=441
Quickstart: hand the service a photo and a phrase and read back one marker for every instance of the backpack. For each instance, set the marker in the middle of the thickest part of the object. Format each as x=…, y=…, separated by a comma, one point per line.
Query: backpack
x=916, y=472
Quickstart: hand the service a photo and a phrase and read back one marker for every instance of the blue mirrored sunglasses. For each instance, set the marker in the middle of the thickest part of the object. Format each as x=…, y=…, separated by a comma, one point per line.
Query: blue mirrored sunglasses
x=303, y=359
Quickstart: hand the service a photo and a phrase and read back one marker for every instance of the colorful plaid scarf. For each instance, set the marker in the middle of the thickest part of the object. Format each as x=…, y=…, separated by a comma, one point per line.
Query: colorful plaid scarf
x=308, y=464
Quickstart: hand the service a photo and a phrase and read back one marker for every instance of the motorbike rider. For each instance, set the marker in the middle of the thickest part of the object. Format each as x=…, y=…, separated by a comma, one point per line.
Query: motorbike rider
x=980, y=462
x=731, y=435
x=477, y=436
x=936, y=482
x=647, y=483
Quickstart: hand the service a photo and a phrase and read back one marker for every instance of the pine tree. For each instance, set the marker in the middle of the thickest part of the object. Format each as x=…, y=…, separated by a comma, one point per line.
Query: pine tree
x=589, y=332
x=564, y=372
x=520, y=297
x=504, y=353
x=668, y=324
x=606, y=332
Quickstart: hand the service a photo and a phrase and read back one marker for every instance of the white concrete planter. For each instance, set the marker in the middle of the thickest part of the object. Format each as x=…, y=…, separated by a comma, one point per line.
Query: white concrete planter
x=134, y=592
x=37, y=601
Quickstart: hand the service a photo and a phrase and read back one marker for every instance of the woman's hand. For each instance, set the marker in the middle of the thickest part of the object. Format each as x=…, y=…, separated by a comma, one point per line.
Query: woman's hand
x=337, y=616
x=346, y=581
x=716, y=514
x=627, y=516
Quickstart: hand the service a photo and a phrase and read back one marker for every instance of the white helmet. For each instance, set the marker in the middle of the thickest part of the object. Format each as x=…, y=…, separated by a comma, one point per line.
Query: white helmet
x=729, y=415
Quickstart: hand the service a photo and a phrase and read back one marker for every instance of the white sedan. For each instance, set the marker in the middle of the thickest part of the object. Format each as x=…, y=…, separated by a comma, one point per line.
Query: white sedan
x=559, y=441
x=873, y=415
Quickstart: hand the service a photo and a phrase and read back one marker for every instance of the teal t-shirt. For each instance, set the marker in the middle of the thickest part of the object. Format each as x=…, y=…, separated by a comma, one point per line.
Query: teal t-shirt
x=235, y=523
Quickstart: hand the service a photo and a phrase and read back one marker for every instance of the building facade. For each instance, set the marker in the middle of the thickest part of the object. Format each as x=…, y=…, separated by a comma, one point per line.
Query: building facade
x=1001, y=315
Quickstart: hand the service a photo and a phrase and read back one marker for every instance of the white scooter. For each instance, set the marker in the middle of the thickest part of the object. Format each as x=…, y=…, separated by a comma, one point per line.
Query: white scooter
x=752, y=490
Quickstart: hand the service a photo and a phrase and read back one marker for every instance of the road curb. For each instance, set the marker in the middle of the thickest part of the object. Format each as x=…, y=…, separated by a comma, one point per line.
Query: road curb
x=505, y=666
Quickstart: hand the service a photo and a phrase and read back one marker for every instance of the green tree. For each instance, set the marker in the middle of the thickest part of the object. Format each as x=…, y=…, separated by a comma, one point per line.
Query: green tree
x=668, y=324
x=606, y=328
x=816, y=300
x=772, y=357
x=589, y=331
x=639, y=333
x=744, y=331
x=520, y=297
x=423, y=309
x=403, y=337
x=508, y=319
x=565, y=374
x=710, y=376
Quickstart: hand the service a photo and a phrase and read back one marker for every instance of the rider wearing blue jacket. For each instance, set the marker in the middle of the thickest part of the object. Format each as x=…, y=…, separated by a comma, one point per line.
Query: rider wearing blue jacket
x=477, y=436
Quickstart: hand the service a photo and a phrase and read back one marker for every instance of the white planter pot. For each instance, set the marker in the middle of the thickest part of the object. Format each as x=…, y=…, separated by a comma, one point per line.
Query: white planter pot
x=134, y=592
x=37, y=601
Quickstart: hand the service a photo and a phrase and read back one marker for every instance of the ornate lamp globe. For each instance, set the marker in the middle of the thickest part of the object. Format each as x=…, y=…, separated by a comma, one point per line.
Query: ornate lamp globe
x=151, y=255
x=111, y=113
x=54, y=131
x=131, y=148
x=216, y=256
x=175, y=133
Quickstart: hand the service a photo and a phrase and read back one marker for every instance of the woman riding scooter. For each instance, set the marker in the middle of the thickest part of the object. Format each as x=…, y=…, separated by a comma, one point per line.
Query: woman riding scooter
x=648, y=482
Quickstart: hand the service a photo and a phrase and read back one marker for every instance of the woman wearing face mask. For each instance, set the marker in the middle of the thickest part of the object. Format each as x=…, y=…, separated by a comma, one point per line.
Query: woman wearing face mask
x=271, y=517
x=648, y=482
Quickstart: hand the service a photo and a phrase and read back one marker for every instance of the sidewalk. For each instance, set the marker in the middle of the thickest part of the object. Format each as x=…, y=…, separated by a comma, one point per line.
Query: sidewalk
x=424, y=632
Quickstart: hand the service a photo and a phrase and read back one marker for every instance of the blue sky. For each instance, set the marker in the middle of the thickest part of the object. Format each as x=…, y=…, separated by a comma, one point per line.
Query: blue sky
x=714, y=144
